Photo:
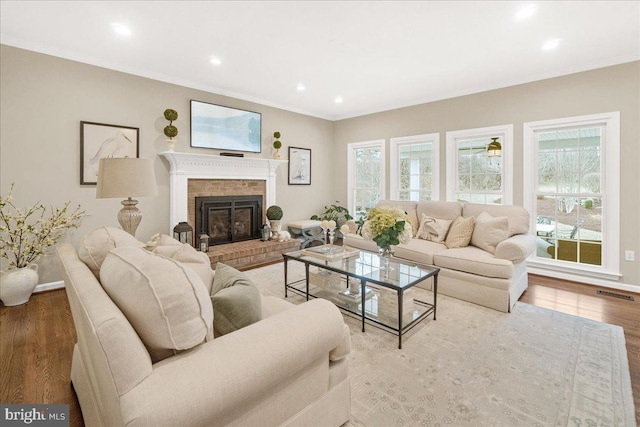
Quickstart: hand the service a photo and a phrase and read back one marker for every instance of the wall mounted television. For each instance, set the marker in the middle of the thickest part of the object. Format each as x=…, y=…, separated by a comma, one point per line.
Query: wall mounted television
x=225, y=128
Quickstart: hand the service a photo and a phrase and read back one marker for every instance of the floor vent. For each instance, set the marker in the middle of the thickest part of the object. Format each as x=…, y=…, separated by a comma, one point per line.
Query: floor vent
x=615, y=295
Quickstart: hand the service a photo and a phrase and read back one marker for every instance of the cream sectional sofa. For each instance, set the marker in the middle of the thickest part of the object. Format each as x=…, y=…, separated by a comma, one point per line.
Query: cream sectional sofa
x=468, y=273
x=288, y=368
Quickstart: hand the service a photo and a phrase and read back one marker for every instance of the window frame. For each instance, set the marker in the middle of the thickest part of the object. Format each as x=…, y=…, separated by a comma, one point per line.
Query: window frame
x=394, y=165
x=351, y=169
x=610, y=190
x=504, y=131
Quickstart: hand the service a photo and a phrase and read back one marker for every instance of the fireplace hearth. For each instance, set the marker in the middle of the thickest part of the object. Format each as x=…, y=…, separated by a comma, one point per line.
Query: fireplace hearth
x=228, y=219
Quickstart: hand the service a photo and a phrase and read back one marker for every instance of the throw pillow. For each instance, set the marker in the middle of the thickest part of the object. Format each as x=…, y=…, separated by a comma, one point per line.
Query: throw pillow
x=164, y=245
x=433, y=229
x=165, y=302
x=96, y=245
x=460, y=233
x=236, y=300
x=489, y=231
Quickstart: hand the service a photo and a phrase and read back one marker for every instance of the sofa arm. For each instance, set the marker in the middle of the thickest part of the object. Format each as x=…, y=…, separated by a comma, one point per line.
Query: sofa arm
x=206, y=384
x=516, y=248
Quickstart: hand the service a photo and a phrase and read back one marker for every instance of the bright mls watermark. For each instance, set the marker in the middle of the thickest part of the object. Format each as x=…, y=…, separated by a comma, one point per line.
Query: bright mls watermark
x=34, y=415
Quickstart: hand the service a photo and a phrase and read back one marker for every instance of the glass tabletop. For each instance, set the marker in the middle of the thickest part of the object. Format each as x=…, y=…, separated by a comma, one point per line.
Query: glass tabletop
x=397, y=273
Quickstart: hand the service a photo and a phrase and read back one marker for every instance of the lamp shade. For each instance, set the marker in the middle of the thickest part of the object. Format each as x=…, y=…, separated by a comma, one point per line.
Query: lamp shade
x=126, y=177
x=494, y=149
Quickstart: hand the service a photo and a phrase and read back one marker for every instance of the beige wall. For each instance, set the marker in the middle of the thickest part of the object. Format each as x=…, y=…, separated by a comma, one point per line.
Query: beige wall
x=603, y=90
x=44, y=98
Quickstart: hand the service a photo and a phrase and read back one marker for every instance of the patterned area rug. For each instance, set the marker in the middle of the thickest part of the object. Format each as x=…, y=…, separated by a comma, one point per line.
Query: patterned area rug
x=475, y=366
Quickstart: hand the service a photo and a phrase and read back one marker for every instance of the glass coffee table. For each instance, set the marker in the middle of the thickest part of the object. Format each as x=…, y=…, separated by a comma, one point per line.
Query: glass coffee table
x=344, y=275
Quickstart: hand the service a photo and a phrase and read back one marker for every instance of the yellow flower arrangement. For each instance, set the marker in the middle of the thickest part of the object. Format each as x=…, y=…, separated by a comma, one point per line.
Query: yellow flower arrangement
x=387, y=226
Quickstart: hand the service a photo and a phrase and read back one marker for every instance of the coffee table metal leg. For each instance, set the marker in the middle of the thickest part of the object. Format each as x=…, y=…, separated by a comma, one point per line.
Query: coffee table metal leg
x=362, y=299
x=435, y=295
x=306, y=275
x=285, y=278
x=400, y=301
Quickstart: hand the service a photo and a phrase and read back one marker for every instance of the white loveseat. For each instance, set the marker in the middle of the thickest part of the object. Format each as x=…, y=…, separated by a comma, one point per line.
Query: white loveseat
x=469, y=273
x=289, y=368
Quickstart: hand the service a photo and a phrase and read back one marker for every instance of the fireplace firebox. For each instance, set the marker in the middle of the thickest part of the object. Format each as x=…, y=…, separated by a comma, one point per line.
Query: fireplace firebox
x=227, y=219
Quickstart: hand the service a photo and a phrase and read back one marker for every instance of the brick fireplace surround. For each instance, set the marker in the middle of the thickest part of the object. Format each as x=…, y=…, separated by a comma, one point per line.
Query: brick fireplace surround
x=198, y=175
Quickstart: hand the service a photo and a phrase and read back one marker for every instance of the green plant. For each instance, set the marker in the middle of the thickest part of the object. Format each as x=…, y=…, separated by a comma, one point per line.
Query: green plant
x=277, y=144
x=334, y=212
x=170, y=131
x=27, y=233
x=274, y=212
x=387, y=226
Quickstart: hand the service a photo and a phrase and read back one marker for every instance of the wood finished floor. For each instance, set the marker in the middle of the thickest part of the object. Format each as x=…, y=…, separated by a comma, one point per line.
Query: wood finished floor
x=37, y=338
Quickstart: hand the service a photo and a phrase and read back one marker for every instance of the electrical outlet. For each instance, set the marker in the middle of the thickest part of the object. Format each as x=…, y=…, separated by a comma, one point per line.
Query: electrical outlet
x=629, y=256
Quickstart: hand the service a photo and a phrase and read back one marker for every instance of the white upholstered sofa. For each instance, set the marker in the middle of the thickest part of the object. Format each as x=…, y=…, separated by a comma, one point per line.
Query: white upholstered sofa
x=470, y=273
x=288, y=368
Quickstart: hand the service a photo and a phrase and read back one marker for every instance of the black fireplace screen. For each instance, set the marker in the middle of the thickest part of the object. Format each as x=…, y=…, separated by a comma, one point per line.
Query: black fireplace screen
x=227, y=219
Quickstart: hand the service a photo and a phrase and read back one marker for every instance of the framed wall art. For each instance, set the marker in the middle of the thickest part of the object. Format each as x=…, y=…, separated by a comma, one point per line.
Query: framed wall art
x=299, y=166
x=99, y=140
x=225, y=128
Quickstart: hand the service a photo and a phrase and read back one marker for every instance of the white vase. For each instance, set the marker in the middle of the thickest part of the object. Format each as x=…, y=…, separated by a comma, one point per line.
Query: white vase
x=16, y=286
x=276, y=227
x=276, y=155
x=171, y=145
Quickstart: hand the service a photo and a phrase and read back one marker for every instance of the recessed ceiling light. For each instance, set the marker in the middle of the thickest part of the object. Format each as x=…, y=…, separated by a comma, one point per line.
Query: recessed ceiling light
x=338, y=100
x=300, y=87
x=551, y=44
x=526, y=12
x=215, y=61
x=121, y=30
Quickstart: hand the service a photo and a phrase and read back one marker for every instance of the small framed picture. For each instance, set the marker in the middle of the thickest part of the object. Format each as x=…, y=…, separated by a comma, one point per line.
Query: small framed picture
x=299, y=166
x=99, y=140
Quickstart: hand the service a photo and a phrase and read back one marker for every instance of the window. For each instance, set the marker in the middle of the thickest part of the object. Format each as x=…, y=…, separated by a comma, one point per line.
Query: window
x=414, y=167
x=479, y=165
x=573, y=200
x=366, y=173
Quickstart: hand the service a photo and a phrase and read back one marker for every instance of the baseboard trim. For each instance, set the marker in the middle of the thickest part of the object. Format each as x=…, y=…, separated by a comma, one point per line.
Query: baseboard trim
x=49, y=286
x=584, y=279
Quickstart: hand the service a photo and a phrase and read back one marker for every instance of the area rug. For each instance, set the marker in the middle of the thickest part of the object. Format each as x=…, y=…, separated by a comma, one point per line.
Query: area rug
x=475, y=366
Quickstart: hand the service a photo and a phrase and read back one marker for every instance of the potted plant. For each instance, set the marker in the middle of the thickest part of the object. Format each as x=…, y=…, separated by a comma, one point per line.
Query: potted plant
x=170, y=131
x=277, y=145
x=25, y=235
x=274, y=215
x=336, y=213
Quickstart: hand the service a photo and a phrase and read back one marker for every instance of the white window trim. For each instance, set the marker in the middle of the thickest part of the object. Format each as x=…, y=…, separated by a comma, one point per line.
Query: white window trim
x=351, y=170
x=394, y=166
x=610, y=268
x=506, y=132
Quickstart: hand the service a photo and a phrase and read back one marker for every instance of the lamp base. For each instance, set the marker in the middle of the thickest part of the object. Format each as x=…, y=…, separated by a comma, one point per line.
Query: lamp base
x=130, y=216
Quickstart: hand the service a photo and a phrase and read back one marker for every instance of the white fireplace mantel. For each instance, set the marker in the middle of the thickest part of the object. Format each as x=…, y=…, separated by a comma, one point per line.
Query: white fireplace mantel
x=185, y=166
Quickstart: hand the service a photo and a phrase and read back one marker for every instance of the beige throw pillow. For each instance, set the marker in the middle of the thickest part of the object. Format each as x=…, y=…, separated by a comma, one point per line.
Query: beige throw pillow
x=236, y=300
x=165, y=302
x=433, y=229
x=489, y=231
x=96, y=245
x=460, y=233
x=164, y=245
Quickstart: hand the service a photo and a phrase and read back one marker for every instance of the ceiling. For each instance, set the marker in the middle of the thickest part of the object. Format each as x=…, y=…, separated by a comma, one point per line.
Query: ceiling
x=376, y=56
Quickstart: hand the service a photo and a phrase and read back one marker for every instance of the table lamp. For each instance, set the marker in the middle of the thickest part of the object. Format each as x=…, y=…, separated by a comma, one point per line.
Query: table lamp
x=126, y=177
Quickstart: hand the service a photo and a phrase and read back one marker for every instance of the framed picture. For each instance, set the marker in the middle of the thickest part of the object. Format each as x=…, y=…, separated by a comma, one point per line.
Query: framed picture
x=299, y=166
x=225, y=128
x=99, y=140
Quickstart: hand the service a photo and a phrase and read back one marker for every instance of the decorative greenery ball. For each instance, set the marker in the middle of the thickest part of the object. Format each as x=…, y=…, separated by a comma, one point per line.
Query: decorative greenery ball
x=277, y=144
x=170, y=114
x=171, y=131
x=274, y=212
x=276, y=135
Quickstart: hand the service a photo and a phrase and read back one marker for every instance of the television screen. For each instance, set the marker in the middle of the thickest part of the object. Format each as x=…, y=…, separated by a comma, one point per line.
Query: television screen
x=225, y=128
